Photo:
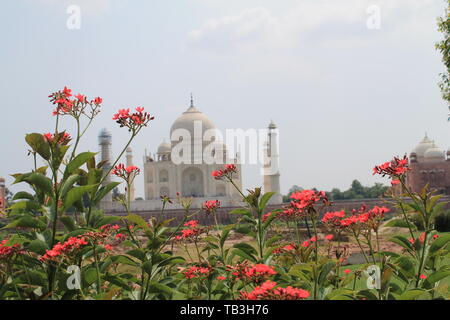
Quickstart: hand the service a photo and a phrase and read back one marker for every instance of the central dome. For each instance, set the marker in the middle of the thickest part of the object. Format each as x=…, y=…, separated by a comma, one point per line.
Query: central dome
x=423, y=146
x=189, y=120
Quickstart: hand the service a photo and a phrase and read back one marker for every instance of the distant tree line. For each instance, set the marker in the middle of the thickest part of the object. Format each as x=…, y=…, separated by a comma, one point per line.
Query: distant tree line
x=356, y=191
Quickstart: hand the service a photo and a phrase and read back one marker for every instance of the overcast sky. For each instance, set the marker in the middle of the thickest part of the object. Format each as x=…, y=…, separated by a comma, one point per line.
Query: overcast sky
x=345, y=97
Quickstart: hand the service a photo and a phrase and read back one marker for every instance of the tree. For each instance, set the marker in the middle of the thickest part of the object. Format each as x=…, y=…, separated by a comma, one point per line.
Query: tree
x=293, y=189
x=443, y=46
x=358, y=191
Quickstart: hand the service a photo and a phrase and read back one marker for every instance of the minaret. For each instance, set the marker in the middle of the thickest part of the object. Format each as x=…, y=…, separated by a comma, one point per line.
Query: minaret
x=2, y=194
x=271, y=165
x=129, y=164
x=105, y=142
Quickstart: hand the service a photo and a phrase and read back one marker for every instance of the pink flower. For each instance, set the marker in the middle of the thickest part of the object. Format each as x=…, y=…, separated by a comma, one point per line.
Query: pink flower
x=211, y=205
x=347, y=271
x=329, y=237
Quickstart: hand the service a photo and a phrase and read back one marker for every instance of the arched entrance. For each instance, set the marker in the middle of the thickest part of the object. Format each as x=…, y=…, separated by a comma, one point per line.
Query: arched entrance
x=192, y=183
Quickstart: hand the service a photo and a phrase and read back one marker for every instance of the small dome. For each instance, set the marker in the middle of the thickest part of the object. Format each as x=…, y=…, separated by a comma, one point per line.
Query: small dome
x=434, y=153
x=423, y=146
x=164, y=147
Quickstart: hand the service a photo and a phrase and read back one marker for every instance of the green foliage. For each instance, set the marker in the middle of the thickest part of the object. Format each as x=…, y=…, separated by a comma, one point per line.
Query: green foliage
x=442, y=222
x=444, y=48
x=358, y=191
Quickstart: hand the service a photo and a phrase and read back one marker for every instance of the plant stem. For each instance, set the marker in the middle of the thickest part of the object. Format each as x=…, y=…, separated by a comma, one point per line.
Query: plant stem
x=97, y=269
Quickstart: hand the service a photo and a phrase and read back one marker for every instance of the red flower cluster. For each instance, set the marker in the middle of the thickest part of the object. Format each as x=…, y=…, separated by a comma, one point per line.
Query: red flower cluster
x=107, y=234
x=227, y=171
x=125, y=172
x=361, y=219
x=267, y=216
x=211, y=206
x=62, y=138
x=307, y=243
x=333, y=219
x=191, y=224
x=257, y=273
x=285, y=249
x=268, y=291
x=305, y=199
x=108, y=227
x=67, y=106
x=71, y=245
x=6, y=252
x=193, y=231
x=422, y=238
x=132, y=121
x=301, y=203
x=395, y=169
x=197, y=272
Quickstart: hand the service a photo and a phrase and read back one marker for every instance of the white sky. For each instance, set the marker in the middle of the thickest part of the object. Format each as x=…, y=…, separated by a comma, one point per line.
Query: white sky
x=343, y=96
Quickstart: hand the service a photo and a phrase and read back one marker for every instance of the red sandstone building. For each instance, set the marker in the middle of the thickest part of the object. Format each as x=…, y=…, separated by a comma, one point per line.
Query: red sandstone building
x=429, y=164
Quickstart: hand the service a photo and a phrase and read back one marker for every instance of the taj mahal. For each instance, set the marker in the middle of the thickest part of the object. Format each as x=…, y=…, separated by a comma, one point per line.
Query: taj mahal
x=180, y=167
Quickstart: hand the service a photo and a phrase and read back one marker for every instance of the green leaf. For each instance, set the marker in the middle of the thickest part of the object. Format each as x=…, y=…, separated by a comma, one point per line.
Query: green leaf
x=103, y=191
x=76, y=194
x=435, y=277
x=138, y=220
x=324, y=271
x=38, y=246
x=264, y=200
x=38, y=143
x=340, y=294
x=172, y=261
x=241, y=211
x=26, y=222
x=402, y=241
x=124, y=260
x=106, y=220
x=245, y=255
x=399, y=223
x=411, y=294
x=40, y=182
x=68, y=183
x=117, y=281
x=24, y=206
x=156, y=287
x=224, y=236
x=77, y=162
x=89, y=275
x=440, y=243
x=245, y=247
x=68, y=222
x=138, y=253
x=23, y=195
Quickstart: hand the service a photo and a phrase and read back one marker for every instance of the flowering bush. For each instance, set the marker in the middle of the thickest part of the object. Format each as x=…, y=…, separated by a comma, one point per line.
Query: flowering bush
x=60, y=245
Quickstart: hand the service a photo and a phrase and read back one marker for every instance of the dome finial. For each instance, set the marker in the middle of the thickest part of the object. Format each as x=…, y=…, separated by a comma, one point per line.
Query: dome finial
x=192, y=100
